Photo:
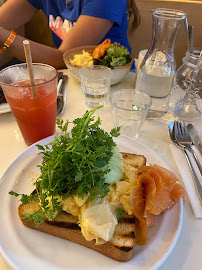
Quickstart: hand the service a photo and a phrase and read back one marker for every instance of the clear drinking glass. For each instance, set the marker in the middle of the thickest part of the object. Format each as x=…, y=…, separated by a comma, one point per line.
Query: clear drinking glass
x=186, y=94
x=156, y=72
x=129, y=109
x=35, y=113
x=95, y=84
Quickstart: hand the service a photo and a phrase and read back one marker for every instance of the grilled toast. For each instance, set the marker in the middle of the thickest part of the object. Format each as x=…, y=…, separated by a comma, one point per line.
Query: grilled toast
x=122, y=245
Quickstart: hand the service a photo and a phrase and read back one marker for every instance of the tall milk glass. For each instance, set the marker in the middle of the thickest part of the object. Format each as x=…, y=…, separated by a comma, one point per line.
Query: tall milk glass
x=158, y=67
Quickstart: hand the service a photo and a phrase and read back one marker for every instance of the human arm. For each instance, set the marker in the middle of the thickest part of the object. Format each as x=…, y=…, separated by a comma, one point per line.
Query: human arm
x=87, y=30
x=9, y=10
x=14, y=14
x=6, y=57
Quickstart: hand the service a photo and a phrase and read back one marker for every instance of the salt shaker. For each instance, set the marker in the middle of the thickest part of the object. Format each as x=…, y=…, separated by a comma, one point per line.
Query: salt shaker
x=186, y=94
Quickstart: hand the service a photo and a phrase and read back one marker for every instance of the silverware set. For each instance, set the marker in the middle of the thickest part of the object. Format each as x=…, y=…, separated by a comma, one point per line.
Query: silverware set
x=180, y=135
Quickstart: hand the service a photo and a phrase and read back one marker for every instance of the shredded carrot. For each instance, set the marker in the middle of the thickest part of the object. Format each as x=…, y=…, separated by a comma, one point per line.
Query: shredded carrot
x=101, y=49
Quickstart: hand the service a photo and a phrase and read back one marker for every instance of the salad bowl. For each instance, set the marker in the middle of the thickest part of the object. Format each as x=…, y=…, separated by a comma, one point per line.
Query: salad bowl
x=117, y=73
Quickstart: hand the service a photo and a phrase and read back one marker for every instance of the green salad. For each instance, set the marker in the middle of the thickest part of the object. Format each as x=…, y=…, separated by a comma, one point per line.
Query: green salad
x=116, y=55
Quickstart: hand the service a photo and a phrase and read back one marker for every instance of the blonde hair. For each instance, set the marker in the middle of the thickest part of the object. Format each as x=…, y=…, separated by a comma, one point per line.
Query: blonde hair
x=133, y=16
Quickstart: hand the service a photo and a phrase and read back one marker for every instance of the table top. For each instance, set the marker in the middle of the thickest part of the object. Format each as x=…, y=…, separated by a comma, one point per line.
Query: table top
x=186, y=254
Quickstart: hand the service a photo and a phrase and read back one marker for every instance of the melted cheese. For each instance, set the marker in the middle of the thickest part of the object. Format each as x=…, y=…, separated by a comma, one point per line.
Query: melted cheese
x=94, y=226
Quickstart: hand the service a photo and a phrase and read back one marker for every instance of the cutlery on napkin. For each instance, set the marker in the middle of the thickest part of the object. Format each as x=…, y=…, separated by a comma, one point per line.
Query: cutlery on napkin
x=187, y=178
x=195, y=137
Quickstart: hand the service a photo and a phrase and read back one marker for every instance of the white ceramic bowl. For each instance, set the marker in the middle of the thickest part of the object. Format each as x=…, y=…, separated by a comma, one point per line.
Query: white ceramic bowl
x=118, y=73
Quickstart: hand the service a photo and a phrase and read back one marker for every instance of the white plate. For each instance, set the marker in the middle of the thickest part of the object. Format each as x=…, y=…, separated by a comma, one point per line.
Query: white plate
x=27, y=249
x=4, y=108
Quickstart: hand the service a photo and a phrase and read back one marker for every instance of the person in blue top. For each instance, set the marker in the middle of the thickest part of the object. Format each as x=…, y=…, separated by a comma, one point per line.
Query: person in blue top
x=73, y=23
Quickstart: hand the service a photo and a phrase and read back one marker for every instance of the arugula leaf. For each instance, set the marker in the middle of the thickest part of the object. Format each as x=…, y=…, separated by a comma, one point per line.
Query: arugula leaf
x=36, y=216
x=115, y=132
x=24, y=198
x=72, y=165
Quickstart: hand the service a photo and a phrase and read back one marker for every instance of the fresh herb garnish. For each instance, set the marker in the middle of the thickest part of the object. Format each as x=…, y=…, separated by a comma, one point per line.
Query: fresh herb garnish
x=25, y=198
x=119, y=214
x=72, y=165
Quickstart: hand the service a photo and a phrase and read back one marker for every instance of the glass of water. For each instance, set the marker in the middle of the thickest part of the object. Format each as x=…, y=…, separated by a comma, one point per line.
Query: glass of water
x=95, y=84
x=129, y=109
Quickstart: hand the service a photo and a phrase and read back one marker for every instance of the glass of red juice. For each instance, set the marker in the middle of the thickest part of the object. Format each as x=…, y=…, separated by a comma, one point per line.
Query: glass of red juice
x=34, y=113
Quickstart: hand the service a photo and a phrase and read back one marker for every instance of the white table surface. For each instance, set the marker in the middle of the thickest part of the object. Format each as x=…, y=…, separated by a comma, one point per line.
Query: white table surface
x=186, y=254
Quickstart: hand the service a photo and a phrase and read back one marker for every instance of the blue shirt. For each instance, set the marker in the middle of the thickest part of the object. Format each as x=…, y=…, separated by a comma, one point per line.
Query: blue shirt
x=62, y=16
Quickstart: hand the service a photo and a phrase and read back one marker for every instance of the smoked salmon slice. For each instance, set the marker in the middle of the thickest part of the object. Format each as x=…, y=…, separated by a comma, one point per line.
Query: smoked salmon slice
x=155, y=192
x=137, y=206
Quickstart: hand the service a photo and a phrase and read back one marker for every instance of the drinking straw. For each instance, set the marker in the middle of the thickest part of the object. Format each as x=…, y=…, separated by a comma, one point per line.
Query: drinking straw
x=28, y=57
x=200, y=58
x=191, y=38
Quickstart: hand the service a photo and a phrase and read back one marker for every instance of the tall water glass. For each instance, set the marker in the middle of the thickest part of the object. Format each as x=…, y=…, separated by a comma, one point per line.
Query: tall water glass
x=34, y=108
x=95, y=84
x=129, y=109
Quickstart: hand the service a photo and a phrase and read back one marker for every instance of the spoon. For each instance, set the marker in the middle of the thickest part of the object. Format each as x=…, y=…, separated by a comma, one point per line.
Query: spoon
x=60, y=97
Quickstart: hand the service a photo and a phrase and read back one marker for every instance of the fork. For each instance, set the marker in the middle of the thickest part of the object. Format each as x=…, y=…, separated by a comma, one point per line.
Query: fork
x=196, y=182
x=184, y=140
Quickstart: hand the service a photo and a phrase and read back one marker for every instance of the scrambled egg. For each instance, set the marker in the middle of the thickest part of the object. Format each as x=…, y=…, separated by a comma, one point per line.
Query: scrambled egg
x=120, y=191
x=101, y=226
x=82, y=60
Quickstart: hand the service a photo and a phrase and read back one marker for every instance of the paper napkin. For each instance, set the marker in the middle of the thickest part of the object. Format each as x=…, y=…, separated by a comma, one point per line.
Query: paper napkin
x=187, y=178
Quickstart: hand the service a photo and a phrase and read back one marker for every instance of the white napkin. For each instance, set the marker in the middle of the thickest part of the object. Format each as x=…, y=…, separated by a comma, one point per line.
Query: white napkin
x=186, y=175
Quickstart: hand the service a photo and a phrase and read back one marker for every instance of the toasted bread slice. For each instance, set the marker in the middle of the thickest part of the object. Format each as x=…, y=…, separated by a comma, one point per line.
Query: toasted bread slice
x=136, y=161
x=121, y=247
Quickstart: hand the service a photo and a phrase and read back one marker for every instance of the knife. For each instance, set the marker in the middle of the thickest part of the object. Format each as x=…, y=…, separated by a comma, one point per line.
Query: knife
x=60, y=96
x=60, y=73
x=195, y=137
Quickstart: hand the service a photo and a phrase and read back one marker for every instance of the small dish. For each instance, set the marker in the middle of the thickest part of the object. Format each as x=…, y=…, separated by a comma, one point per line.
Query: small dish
x=118, y=73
